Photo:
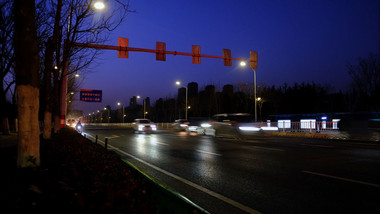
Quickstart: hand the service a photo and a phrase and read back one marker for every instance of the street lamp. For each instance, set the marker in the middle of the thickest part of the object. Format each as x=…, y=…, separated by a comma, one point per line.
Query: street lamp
x=101, y=116
x=254, y=86
x=105, y=108
x=97, y=6
x=186, y=107
x=144, y=112
x=122, y=107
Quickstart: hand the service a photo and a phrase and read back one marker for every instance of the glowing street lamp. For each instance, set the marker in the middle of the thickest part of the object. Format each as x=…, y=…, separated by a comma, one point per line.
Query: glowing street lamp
x=144, y=112
x=99, y=5
x=108, y=111
x=243, y=64
x=186, y=107
x=122, y=107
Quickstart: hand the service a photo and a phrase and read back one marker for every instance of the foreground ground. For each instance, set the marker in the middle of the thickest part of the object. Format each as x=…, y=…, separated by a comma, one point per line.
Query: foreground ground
x=75, y=176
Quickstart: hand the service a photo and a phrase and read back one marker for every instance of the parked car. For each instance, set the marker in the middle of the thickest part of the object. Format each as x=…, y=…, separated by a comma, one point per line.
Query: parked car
x=180, y=124
x=143, y=126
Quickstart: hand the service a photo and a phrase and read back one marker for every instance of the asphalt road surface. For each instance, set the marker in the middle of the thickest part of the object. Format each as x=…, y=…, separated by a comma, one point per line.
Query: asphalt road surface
x=261, y=175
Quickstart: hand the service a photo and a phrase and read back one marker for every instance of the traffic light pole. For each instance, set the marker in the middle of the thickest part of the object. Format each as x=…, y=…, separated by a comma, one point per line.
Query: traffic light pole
x=160, y=52
x=127, y=49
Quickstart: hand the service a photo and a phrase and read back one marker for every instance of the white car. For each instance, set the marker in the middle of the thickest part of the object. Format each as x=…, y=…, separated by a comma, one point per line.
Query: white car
x=143, y=126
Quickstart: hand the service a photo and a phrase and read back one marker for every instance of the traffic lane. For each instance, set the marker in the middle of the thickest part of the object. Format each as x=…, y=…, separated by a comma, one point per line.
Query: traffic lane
x=281, y=199
x=359, y=160
x=140, y=144
x=209, y=172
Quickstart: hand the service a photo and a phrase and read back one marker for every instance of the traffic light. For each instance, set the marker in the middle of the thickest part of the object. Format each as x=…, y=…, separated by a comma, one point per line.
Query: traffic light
x=196, y=58
x=122, y=43
x=253, y=59
x=227, y=57
x=160, y=51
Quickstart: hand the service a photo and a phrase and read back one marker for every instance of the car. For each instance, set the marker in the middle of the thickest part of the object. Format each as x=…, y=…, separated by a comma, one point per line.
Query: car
x=180, y=124
x=234, y=125
x=198, y=124
x=143, y=126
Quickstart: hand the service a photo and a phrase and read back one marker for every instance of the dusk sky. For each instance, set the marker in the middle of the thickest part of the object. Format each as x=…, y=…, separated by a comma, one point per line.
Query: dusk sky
x=296, y=40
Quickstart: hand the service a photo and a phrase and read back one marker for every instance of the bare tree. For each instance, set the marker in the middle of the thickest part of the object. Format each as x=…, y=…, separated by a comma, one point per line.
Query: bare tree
x=27, y=83
x=366, y=83
x=81, y=23
x=66, y=22
x=6, y=60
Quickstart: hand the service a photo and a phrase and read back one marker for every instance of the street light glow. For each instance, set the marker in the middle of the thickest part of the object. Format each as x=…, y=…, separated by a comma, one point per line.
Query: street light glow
x=242, y=63
x=178, y=83
x=99, y=5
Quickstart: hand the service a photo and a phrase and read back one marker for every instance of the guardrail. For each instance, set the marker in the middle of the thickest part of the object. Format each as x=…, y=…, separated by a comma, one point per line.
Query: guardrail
x=310, y=126
x=129, y=125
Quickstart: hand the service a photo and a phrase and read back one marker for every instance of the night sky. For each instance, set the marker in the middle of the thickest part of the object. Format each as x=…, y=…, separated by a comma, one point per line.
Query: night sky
x=296, y=40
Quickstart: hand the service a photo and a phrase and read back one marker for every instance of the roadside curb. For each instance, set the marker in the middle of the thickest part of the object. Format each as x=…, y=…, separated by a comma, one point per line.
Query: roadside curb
x=169, y=199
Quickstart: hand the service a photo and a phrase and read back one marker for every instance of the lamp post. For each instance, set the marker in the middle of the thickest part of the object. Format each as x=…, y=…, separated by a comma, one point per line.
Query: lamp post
x=108, y=117
x=63, y=107
x=144, y=112
x=179, y=84
x=101, y=116
x=254, y=87
x=123, y=110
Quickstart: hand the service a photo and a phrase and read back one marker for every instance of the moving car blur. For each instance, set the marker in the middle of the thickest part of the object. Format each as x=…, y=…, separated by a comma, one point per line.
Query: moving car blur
x=143, y=126
x=180, y=124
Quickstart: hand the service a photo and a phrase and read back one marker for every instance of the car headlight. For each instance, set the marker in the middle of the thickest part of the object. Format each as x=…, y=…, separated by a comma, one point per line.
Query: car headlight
x=266, y=128
x=249, y=128
x=205, y=125
x=141, y=127
x=183, y=125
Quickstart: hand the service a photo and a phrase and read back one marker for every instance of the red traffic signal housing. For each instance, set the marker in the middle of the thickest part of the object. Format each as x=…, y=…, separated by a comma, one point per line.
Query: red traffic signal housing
x=123, y=44
x=227, y=57
x=196, y=57
x=253, y=59
x=160, y=51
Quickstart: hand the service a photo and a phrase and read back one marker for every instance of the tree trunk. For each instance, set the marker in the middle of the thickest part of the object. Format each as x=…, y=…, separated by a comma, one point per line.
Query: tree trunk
x=56, y=42
x=27, y=83
x=29, y=130
x=47, y=79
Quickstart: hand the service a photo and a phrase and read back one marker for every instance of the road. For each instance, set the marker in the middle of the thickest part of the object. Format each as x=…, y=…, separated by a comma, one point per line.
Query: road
x=261, y=175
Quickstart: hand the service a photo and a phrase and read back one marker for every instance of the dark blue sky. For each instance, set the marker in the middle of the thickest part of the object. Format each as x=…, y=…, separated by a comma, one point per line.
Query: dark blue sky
x=296, y=40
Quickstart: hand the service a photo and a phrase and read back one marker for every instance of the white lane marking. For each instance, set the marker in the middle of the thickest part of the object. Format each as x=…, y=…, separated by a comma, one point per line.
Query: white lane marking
x=113, y=136
x=272, y=149
x=183, y=180
x=323, y=146
x=165, y=144
x=210, y=153
x=343, y=179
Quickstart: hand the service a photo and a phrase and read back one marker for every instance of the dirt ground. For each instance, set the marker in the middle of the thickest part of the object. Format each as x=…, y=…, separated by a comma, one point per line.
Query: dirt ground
x=76, y=175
